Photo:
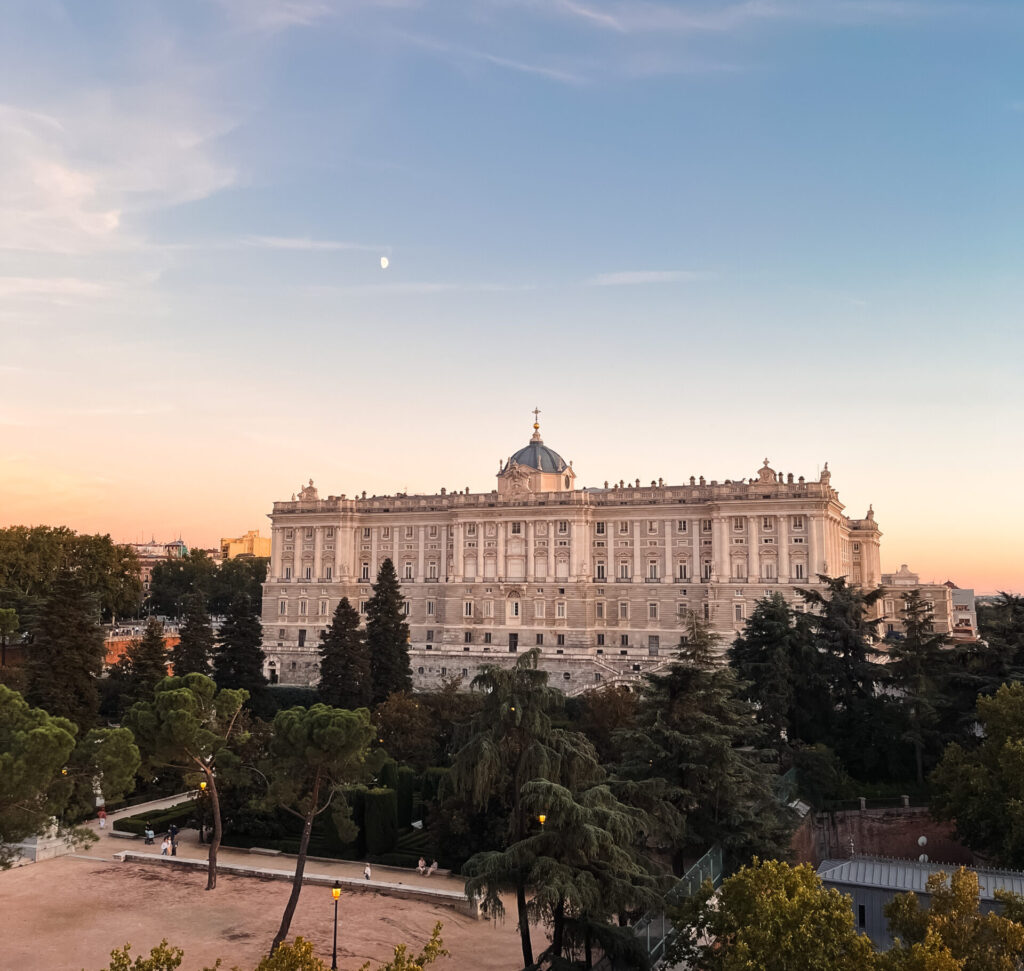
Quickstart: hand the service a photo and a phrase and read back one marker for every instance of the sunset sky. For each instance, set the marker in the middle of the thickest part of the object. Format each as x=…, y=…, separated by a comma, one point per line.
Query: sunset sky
x=695, y=234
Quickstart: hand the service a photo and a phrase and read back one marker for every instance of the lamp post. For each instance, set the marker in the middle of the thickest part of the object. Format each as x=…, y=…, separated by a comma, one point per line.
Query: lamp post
x=202, y=811
x=335, y=893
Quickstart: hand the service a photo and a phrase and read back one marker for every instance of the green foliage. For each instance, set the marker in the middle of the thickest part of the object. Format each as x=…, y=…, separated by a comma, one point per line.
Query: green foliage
x=238, y=657
x=174, y=581
x=32, y=559
x=67, y=654
x=387, y=636
x=381, y=821
x=297, y=956
x=979, y=788
x=159, y=820
x=388, y=774
x=434, y=779
x=602, y=714
x=34, y=748
x=142, y=667
x=952, y=923
x=161, y=958
x=772, y=917
x=194, y=649
x=107, y=760
x=402, y=961
x=406, y=728
x=9, y=624
x=345, y=677
x=821, y=775
x=404, y=793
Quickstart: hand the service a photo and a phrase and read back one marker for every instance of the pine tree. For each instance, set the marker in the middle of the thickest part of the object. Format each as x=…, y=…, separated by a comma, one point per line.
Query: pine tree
x=143, y=665
x=345, y=677
x=67, y=655
x=387, y=636
x=193, y=651
x=238, y=657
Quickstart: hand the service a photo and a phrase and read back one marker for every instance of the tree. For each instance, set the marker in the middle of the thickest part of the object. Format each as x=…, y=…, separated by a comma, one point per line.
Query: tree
x=314, y=752
x=695, y=732
x=241, y=576
x=161, y=958
x=187, y=726
x=238, y=657
x=9, y=624
x=143, y=665
x=982, y=942
x=345, y=677
x=67, y=654
x=387, y=636
x=406, y=728
x=402, y=961
x=34, y=748
x=604, y=713
x=172, y=582
x=195, y=646
x=979, y=788
x=773, y=917
x=914, y=670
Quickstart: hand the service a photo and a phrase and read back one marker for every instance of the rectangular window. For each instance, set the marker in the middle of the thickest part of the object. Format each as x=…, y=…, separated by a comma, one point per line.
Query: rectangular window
x=366, y=532
x=309, y=573
x=798, y=522
x=705, y=525
x=432, y=571
x=430, y=635
x=856, y=547
x=289, y=534
x=405, y=608
x=408, y=532
x=652, y=611
x=309, y=532
x=514, y=608
x=433, y=532
x=538, y=609
x=766, y=522
x=683, y=571
x=362, y=606
x=430, y=608
x=707, y=611
x=600, y=570
x=467, y=637
x=600, y=640
x=471, y=529
x=798, y=571
x=623, y=610
x=323, y=608
x=407, y=571
x=624, y=527
x=282, y=607
x=599, y=529
x=330, y=532
x=488, y=608
x=540, y=640
x=681, y=526
x=467, y=608
x=329, y=573
x=386, y=532
x=517, y=528
x=738, y=609
x=599, y=607
x=563, y=526
x=737, y=523
x=303, y=604
x=561, y=640
x=652, y=526
x=653, y=644
x=652, y=569
x=302, y=641
x=624, y=570
x=487, y=638
x=624, y=640
x=560, y=610
x=287, y=572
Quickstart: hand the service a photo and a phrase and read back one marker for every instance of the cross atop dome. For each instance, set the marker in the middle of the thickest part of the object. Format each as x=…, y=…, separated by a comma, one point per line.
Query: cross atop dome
x=536, y=426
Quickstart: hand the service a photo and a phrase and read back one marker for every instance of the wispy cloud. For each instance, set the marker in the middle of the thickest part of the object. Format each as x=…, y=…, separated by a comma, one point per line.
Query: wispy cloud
x=21, y=286
x=626, y=278
x=312, y=245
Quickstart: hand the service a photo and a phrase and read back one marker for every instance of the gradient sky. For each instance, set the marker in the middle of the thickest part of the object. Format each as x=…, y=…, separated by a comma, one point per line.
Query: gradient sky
x=695, y=234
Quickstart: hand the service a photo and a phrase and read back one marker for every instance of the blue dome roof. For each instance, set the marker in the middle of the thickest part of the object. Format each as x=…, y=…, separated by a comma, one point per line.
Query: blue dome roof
x=537, y=455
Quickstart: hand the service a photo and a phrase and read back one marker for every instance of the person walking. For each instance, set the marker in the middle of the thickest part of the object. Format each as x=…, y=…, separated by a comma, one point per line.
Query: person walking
x=102, y=815
x=165, y=846
x=366, y=871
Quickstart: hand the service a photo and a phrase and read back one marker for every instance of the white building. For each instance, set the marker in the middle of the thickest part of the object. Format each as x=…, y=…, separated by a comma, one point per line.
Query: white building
x=597, y=578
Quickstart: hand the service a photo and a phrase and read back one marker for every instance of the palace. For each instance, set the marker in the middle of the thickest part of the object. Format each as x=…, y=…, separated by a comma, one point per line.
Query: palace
x=596, y=578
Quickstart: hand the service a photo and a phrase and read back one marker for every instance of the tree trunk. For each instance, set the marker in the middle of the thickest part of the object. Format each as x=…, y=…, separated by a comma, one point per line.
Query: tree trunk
x=524, y=923
x=558, y=927
x=588, y=950
x=300, y=866
x=211, y=867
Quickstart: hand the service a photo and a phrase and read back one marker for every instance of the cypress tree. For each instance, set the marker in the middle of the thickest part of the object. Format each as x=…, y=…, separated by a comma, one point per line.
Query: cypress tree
x=387, y=636
x=143, y=666
x=345, y=678
x=67, y=655
x=238, y=657
x=191, y=655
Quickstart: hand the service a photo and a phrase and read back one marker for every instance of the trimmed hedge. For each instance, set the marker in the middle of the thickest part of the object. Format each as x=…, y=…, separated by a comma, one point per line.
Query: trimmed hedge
x=389, y=775
x=404, y=792
x=409, y=860
x=381, y=822
x=159, y=820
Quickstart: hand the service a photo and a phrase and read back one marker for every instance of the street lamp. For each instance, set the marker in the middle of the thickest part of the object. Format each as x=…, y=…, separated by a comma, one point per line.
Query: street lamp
x=335, y=893
x=202, y=811
x=543, y=818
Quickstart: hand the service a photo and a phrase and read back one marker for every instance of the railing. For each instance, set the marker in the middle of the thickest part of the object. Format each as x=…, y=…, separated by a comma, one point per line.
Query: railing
x=652, y=579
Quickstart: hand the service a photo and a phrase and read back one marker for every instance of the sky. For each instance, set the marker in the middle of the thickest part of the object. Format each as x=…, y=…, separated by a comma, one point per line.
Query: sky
x=695, y=234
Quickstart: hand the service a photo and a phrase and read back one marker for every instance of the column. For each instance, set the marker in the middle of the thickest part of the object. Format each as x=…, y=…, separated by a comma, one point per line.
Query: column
x=500, y=566
x=460, y=553
x=574, y=551
x=783, y=549
x=638, y=563
x=276, y=544
x=670, y=535
x=529, y=551
x=318, y=550
x=814, y=553
x=551, y=550
x=719, y=548
x=374, y=566
x=339, y=533
x=753, y=559
x=420, y=574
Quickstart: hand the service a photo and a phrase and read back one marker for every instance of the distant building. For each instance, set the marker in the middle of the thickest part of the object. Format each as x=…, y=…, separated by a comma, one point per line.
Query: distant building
x=251, y=544
x=937, y=595
x=871, y=882
x=965, y=614
x=151, y=553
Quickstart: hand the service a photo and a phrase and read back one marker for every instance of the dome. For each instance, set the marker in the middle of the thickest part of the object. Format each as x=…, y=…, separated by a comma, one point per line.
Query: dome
x=538, y=456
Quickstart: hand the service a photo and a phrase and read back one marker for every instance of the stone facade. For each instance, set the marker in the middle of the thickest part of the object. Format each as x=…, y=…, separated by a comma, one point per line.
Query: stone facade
x=251, y=544
x=938, y=595
x=597, y=578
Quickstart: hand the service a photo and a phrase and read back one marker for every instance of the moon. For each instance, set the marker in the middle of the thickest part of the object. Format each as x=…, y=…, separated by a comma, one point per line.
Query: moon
x=384, y=261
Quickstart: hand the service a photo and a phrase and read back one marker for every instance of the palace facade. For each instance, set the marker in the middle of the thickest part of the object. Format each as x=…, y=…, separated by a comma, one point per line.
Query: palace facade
x=596, y=578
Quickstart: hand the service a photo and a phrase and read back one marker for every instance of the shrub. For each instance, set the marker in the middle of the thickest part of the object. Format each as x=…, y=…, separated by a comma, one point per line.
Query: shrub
x=404, y=795
x=381, y=823
x=433, y=779
x=389, y=775
x=159, y=820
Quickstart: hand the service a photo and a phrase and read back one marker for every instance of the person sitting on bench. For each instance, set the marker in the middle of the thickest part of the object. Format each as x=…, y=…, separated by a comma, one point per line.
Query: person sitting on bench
x=432, y=868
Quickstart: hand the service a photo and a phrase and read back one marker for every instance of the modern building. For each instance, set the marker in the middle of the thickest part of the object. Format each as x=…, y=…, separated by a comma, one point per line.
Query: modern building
x=597, y=578
x=251, y=544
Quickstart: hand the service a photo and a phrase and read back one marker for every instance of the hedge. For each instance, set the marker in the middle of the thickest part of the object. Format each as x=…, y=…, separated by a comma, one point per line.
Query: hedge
x=159, y=820
x=404, y=794
x=381, y=823
x=410, y=860
x=389, y=775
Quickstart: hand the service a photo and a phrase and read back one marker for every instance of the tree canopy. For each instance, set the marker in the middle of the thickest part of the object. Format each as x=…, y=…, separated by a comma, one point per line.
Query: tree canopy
x=238, y=656
x=345, y=675
x=173, y=582
x=387, y=636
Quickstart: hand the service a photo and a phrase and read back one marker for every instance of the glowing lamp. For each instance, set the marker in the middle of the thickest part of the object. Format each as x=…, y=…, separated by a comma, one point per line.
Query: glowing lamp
x=543, y=818
x=202, y=785
x=336, y=890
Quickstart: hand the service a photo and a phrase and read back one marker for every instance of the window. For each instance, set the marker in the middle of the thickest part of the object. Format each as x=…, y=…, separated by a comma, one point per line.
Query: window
x=329, y=573
x=705, y=525
x=303, y=604
x=890, y=607
x=517, y=528
x=682, y=571
x=366, y=532
x=861, y=916
x=707, y=611
x=624, y=527
x=408, y=532
x=405, y=608
x=856, y=547
x=487, y=638
x=432, y=571
x=567, y=676
x=386, y=532
x=624, y=640
x=467, y=637
x=737, y=523
x=540, y=640
x=513, y=643
x=471, y=529
x=513, y=607
x=309, y=573
x=560, y=610
x=419, y=670
x=766, y=522
x=653, y=644
x=599, y=529
x=488, y=608
x=600, y=570
x=302, y=641
x=467, y=608
x=281, y=632
x=652, y=611
x=798, y=522
x=599, y=607
x=563, y=526
x=407, y=571
x=323, y=608
x=431, y=608
x=600, y=640
x=430, y=635
x=652, y=526
x=707, y=569
x=652, y=569
x=433, y=532
x=561, y=640
x=287, y=572
x=282, y=607
x=624, y=570
x=769, y=571
x=309, y=532
x=623, y=610
x=330, y=532
x=538, y=609
x=798, y=571
x=364, y=573
x=362, y=606
x=681, y=526
x=289, y=534
x=738, y=610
